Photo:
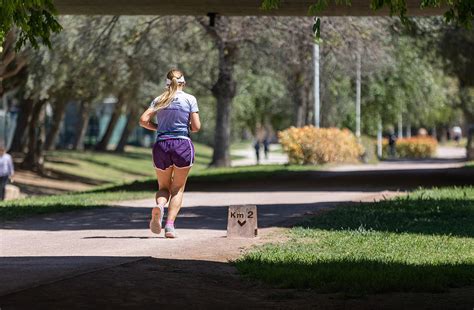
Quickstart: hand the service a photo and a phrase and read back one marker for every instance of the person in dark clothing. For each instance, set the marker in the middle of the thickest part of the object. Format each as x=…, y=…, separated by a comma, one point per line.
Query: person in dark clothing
x=266, y=147
x=257, y=150
x=392, y=142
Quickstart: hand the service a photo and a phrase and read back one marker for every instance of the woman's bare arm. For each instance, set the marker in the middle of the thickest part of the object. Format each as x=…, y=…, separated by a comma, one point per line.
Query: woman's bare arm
x=145, y=120
x=195, y=122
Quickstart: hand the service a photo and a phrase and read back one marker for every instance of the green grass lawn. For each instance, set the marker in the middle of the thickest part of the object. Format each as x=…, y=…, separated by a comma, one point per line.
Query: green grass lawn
x=109, y=167
x=422, y=242
x=243, y=145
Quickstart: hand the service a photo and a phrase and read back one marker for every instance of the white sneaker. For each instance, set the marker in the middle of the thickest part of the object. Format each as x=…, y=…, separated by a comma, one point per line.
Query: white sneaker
x=156, y=219
x=170, y=232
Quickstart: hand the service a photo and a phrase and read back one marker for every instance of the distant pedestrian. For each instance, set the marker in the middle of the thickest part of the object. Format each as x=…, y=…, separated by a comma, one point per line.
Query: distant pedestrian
x=266, y=147
x=392, y=143
x=257, y=150
x=457, y=134
x=6, y=170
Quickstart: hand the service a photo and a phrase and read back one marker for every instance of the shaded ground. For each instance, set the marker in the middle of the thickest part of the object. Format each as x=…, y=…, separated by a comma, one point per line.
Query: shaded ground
x=196, y=284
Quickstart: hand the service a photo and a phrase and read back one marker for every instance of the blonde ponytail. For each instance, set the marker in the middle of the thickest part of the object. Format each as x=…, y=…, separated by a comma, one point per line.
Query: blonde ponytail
x=164, y=100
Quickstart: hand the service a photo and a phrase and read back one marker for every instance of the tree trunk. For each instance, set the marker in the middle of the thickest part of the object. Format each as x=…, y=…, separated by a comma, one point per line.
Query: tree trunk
x=39, y=151
x=379, y=137
x=443, y=134
x=310, y=107
x=400, y=126
x=82, y=125
x=358, y=93
x=224, y=91
x=467, y=108
x=104, y=141
x=316, y=84
x=132, y=122
x=300, y=99
x=21, y=128
x=34, y=157
x=11, y=63
x=58, y=116
x=301, y=103
x=434, y=134
x=470, y=134
x=470, y=143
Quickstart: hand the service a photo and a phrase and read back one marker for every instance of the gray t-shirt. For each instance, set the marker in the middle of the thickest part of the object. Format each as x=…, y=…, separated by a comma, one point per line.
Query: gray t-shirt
x=173, y=121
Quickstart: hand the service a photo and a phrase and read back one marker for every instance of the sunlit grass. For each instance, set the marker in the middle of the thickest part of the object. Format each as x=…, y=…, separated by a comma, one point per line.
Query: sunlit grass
x=423, y=242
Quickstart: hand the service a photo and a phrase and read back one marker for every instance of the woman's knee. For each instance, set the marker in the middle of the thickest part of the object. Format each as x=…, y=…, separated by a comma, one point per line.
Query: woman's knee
x=176, y=190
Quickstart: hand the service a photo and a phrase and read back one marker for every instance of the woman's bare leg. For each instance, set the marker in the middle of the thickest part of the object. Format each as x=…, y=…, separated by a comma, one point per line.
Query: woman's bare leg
x=164, y=178
x=161, y=198
x=176, y=190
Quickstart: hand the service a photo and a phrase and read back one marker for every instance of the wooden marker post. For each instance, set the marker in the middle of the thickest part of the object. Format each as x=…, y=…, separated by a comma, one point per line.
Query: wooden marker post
x=242, y=221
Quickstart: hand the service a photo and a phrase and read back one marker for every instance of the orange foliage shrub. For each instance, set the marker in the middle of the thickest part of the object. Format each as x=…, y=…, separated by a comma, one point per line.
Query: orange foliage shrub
x=415, y=147
x=311, y=145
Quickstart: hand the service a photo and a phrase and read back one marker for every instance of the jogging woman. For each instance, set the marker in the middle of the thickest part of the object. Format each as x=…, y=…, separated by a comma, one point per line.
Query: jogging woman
x=173, y=152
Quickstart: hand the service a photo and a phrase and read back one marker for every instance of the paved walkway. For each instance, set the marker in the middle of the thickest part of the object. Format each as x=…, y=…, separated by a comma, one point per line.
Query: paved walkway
x=276, y=156
x=446, y=157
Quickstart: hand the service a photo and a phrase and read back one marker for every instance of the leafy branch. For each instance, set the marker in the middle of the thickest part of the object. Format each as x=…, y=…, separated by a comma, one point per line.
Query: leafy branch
x=35, y=20
x=459, y=12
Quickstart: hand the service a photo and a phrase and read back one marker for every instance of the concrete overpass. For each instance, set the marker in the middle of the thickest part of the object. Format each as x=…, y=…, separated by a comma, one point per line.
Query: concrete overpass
x=223, y=7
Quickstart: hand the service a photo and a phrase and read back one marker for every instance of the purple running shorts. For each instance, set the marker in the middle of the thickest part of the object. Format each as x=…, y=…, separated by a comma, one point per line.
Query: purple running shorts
x=177, y=152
